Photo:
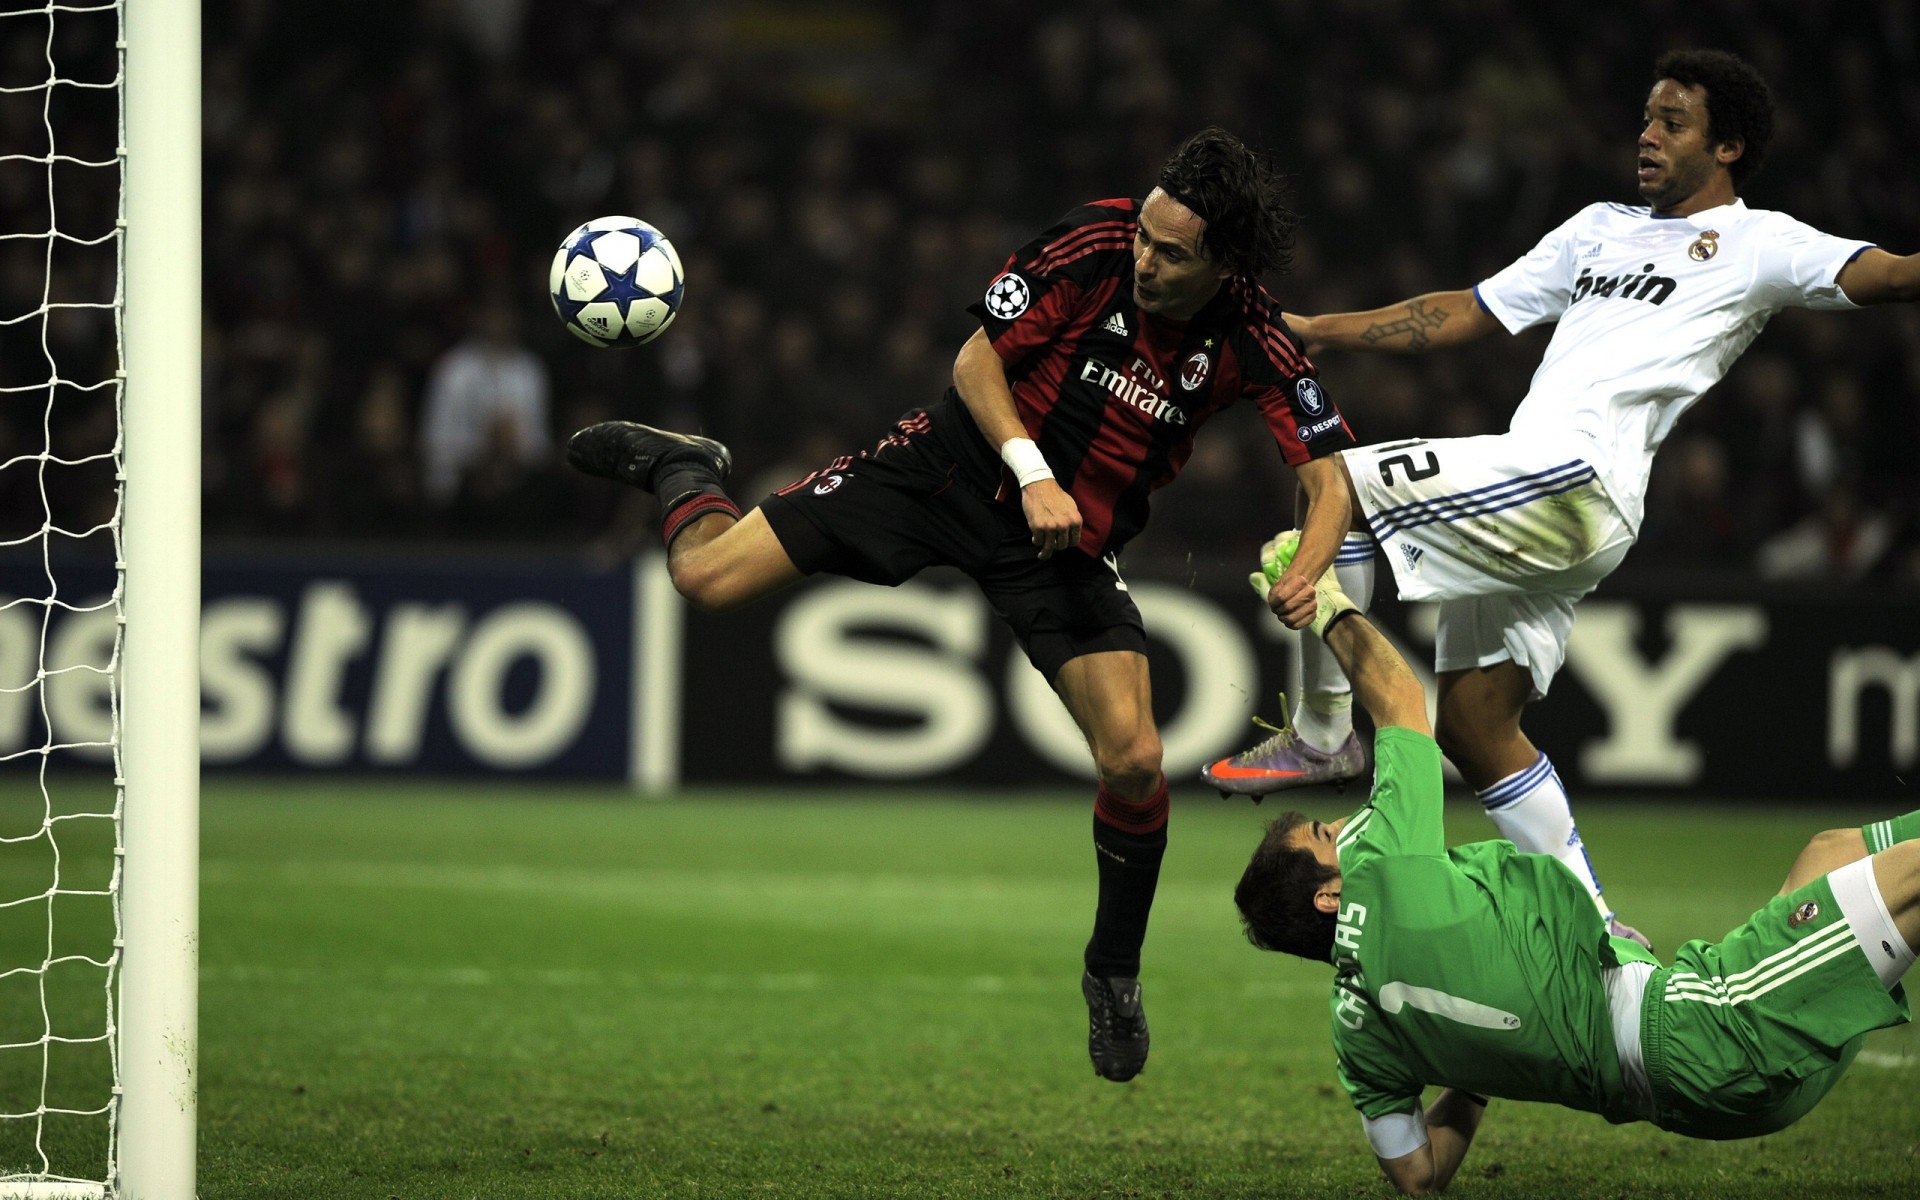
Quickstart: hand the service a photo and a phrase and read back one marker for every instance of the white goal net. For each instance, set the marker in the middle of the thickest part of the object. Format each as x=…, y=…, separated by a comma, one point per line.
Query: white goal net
x=86, y=989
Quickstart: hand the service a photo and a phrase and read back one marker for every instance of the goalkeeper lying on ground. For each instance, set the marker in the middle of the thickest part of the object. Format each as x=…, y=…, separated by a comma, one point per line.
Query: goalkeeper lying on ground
x=1490, y=973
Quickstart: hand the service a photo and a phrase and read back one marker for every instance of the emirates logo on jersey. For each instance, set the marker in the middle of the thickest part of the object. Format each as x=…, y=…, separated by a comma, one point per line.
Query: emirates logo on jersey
x=1128, y=390
x=1194, y=371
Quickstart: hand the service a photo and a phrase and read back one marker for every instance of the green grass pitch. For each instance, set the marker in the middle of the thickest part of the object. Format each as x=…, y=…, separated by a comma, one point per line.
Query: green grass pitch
x=500, y=992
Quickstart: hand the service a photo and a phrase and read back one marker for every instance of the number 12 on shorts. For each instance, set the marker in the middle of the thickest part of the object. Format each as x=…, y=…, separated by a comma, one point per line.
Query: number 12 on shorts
x=1405, y=462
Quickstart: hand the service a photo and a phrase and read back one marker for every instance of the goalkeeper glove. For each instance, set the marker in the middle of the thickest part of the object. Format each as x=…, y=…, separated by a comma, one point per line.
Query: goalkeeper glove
x=1331, y=603
x=1275, y=556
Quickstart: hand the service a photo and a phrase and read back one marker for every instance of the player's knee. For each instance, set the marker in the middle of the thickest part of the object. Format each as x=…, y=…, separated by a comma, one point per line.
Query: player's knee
x=706, y=583
x=1838, y=846
x=1130, y=765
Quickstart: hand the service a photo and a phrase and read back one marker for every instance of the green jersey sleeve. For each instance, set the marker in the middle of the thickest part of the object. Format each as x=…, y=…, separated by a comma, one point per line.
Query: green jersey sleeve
x=1405, y=813
x=1379, y=1078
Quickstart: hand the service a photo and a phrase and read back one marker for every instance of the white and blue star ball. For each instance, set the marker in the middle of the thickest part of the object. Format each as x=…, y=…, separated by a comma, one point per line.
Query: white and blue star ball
x=616, y=281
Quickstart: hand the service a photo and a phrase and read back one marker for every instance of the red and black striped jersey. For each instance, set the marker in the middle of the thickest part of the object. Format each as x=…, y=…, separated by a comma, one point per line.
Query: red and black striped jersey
x=1114, y=396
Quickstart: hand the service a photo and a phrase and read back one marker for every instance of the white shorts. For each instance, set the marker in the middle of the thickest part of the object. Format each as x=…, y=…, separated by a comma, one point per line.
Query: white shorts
x=1506, y=531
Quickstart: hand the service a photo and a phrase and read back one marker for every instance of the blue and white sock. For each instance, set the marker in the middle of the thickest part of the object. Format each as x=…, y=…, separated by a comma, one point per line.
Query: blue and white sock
x=1324, y=716
x=1531, y=810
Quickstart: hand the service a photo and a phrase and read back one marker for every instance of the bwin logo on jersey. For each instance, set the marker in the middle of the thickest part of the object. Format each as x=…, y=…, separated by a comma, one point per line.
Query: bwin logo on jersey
x=1644, y=286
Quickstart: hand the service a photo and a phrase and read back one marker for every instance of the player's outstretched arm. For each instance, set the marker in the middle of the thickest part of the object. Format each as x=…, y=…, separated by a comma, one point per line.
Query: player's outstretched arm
x=1434, y=321
x=1877, y=277
x=1382, y=681
x=1452, y=1120
x=1329, y=514
x=981, y=379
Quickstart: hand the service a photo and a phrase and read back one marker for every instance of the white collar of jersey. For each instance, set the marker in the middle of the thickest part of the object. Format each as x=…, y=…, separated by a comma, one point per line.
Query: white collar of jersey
x=1705, y=217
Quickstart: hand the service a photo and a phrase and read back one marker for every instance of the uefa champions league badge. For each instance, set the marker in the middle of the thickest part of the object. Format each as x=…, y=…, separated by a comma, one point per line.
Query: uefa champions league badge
x=1803, y=915
x=1007, y=296
x=1705, y=246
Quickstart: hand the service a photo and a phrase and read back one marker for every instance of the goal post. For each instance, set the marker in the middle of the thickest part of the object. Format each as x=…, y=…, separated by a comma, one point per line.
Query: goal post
x=99, y=935
x=159, y=985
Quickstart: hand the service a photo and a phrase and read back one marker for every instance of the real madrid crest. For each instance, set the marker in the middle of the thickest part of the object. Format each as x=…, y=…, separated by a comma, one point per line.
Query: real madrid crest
x=1705, y=246
x=1805, y=913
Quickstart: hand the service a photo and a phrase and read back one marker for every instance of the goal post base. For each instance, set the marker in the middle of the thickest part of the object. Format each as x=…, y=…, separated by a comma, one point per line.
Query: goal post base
x=51, y=1190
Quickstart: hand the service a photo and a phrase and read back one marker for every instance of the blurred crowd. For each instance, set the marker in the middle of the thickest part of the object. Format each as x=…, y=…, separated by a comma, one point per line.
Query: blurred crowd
x=386, y=182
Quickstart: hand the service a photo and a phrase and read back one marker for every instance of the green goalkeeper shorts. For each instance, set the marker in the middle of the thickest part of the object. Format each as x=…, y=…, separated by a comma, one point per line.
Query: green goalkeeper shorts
x=1744, y=1036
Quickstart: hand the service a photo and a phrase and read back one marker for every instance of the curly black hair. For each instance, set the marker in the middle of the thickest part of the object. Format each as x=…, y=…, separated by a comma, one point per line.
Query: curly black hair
x=1739, y=103
x=1241, y=198
x=1275, y=895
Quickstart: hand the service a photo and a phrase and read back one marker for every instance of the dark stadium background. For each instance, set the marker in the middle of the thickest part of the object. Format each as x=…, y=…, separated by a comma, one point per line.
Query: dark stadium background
x=385, y=180
x=844, y=178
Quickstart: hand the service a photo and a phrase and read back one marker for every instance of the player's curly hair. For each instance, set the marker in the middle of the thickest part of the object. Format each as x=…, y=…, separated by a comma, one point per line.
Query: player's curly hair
x=1739, y=103
x=1275, y=895
x=1239, y=195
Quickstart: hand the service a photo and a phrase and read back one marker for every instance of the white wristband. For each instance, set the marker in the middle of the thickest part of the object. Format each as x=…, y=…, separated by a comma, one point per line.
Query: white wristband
x=1024, y=459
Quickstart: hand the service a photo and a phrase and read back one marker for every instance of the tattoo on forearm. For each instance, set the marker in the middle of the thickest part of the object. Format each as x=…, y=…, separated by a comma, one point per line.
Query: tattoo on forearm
x=1421, y=317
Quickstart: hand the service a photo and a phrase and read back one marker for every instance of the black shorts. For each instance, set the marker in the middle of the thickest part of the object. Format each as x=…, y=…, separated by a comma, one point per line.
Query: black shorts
x=923, y=497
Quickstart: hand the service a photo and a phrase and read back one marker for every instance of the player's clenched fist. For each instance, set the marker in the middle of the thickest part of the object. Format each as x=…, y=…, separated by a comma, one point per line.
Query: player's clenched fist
x=1052, y=516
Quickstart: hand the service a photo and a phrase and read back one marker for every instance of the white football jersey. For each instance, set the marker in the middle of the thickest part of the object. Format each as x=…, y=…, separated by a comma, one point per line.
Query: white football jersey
x=1652, y=312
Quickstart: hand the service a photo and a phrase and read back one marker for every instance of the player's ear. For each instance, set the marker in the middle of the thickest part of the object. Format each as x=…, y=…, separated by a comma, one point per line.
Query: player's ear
x=1327, y=898
x=1728, y=152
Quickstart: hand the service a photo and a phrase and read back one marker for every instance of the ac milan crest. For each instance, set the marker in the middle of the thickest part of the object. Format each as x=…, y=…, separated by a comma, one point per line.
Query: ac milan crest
x=1193, y=372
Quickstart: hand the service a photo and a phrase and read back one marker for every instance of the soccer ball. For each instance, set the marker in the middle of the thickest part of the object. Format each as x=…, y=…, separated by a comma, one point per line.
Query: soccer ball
x=616, y=281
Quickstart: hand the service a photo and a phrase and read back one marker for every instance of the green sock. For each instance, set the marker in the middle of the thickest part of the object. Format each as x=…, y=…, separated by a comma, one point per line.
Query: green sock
x=1882, y=834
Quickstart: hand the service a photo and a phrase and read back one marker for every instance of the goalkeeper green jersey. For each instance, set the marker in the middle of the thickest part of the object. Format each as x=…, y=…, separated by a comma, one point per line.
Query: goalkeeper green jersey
x=1477, y=968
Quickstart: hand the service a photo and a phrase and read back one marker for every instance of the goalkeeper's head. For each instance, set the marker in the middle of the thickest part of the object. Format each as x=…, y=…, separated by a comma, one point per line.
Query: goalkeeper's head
x=1240, y=196
x=1289, y=893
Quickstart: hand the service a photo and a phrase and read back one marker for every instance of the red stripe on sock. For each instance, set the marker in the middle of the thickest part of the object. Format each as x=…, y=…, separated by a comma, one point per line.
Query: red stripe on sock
x=691, y=510
x=1130, y=816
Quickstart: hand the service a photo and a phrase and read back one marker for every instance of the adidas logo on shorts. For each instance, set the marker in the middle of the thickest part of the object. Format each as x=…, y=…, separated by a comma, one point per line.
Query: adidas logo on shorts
x=1413, y=554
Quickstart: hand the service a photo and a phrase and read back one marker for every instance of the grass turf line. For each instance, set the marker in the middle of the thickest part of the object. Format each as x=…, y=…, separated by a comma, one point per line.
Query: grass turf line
x=418, y=991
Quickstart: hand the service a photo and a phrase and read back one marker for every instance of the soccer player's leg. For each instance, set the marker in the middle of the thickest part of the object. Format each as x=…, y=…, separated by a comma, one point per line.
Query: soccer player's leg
x=1081, y=630
x=1831, y=849
x=1884, y=835
x=1109, y=695
x=1494, y=655
x=1323, y=718
x=1324, y=715
x=1288, y=758
x=720, y=561
x=1896, y=876
x=717, y=560
x=1754, y=1030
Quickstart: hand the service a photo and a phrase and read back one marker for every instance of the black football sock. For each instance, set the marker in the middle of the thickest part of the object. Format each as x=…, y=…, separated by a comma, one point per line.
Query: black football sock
x=1129, y=841
x=687, y=492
